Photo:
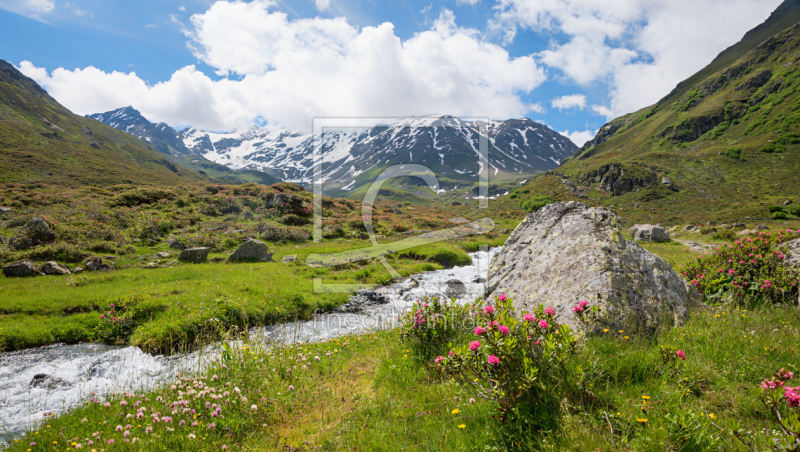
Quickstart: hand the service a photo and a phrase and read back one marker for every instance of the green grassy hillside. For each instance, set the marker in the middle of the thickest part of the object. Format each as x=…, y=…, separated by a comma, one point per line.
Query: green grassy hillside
x=41, y=141
x=725, y=145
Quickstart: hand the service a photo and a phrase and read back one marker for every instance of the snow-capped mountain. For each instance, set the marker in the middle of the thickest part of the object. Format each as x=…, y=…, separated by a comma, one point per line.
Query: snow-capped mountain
x=161, y=136
x=449, y=146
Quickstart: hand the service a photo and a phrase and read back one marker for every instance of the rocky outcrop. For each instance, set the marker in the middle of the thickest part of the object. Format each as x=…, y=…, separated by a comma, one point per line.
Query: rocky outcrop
x=649, y=233
x=618, y=178
x=194, y=255
x=289, y=259
x=19, y=269
x=756, y=81
x=568, y=252
x=284, y=201
x=54, y=268
x=793, y=259
x=35, y=232
x=251, y=251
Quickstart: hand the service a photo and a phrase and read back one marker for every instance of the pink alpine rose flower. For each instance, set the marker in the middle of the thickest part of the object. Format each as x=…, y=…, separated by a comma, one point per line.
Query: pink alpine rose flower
x=502, y=297
x=493, y=360
x=488, y=309
x=550, y=311
x=543, y=324
x=680, y=354
x=503, y=329
x=528, y=317
x=479, y=330
x=474, y=346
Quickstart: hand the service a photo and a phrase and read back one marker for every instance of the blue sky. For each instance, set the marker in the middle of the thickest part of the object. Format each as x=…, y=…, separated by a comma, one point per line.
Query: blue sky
x=572, y=64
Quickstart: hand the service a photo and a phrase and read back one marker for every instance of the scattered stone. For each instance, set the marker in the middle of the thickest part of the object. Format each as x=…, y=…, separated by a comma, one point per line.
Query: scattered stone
x=787, y=202
x=19, y=269
x=396, y=210
x=711, y=223
x=690, y=228
x=649, y=233
x=95, y=264
x=567, y=252
x=150, y=265
x=5, y=210
x=283, y=201
x=20, y=242
x=251, y=250
x=455, y=289
x=53, y=268
x=289, y=259
x=505, y=231
x=163, y=254
x=127, y=266
x=194, y=255
x=362, y=299
x=177, y=245
x=479, y=280
x=762, y=227
x=77, y=270
x=50, y=382
x=459, y=220
x=745, y=232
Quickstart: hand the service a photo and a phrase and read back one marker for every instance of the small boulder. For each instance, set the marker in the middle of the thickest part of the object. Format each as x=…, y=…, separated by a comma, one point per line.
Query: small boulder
x=711, y=223
x=46, y=381
x=459, y=220
x=177, y=245
x=252, y=250
x=96, y=264
x=793, y=259
x=762, y=227
x=54, y=268
x=5, y=210
x=20, y=242
x=163, y=254
x=289, y=259
x=745, y=232
x=19, y=269
x=455, y=289
x=77, y=270
x=194, y=255
x=649, y=233
x=787, y=202
x=504, y=231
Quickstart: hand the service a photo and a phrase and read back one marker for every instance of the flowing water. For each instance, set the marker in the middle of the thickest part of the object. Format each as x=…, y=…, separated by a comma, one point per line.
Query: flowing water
x=77, y=371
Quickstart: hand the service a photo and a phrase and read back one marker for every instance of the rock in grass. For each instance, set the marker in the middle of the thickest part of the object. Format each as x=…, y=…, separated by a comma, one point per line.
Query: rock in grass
x=251, y=251
x=762, y=227
x=77, y=270
x=459, y=220
x=177, y=245
x=5, y=210
x=163, y=254
x=54, y=268
x=567, y=252
x=793, y=259
x=19, y=269
x=96, y=264
x=289, y=259
x=649, y=233
x=194, y=255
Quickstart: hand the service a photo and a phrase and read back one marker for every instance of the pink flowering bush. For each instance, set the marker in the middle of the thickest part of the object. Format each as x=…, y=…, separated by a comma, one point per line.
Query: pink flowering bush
x=432, y=324
x=747, y=271
x=524, y=364
x=783, y=401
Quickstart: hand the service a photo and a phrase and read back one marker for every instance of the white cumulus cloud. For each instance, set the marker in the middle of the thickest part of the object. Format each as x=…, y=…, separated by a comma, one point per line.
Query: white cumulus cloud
x=579, y=137
x=289, y=71
x=640, y=48
x=570, y=101
x=322, y=5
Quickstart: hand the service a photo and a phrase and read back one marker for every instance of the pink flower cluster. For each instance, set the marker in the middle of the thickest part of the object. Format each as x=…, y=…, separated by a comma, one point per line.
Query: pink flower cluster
x=474, y=345
x=680, y=354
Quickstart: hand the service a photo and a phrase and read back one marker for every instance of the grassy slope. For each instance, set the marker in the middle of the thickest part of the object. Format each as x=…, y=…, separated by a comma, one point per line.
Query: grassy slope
x=712, y=184
x=41, y=141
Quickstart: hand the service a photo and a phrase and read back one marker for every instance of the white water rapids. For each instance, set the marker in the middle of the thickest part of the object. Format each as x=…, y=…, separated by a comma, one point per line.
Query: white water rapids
x=86, y=368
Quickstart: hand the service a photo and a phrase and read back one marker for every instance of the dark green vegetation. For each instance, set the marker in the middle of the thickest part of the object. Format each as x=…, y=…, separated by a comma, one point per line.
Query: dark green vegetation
x=178, y=305
x=371, y=393
x=724, y=145
x=41, y=141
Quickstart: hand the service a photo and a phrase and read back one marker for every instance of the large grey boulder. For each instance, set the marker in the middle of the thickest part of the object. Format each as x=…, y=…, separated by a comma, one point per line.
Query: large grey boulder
x=19, y=269
x=177, y=245
x=35, y=232
x=567, y=252
x=96, y=264
x=54, y=268
x=194, y=255
x=284, y=201
x=251, y=250
x=650, y=233
x=793, y=259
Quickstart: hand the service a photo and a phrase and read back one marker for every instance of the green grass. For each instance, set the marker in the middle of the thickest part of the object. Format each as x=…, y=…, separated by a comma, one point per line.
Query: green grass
x=370, y=393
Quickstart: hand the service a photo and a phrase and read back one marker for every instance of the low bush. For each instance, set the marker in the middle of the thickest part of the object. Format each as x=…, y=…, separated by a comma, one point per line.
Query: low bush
x=536, y=203
x=432, y=325
x=276, y=233
x=748, y=271
x=734, y=153
x=526, y=366
x=780, y=216
x=773, y=208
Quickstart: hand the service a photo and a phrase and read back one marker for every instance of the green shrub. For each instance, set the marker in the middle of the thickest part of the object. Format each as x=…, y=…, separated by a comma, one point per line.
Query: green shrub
x=769, y=148
x=277, y=233
x=794, y=210
x=432, y=325
x=773, y=208
x=787, y=138
x=747, y=271
x=536, y=203
x=716, y=132
x=734, y=153
x=779, y=215
x=141, y=196
x=526, y=365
